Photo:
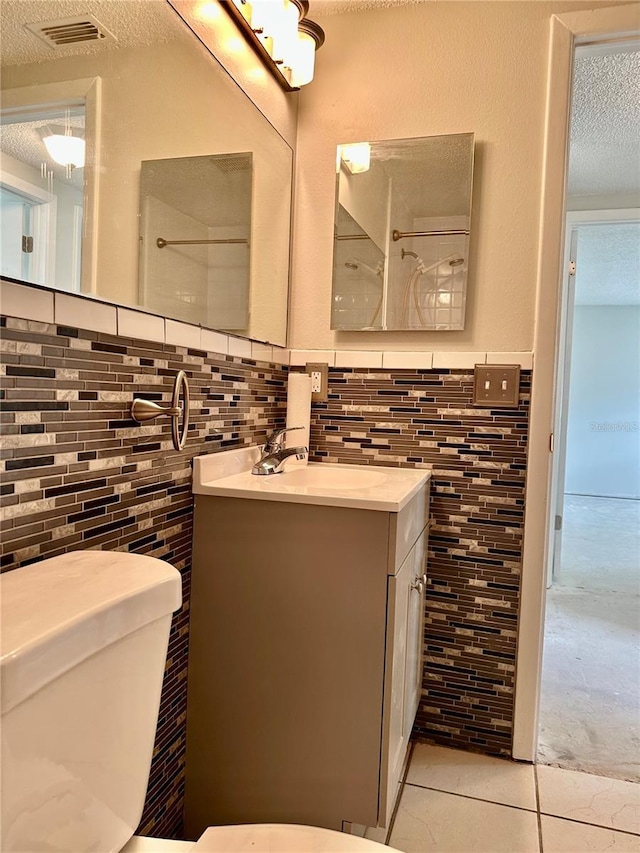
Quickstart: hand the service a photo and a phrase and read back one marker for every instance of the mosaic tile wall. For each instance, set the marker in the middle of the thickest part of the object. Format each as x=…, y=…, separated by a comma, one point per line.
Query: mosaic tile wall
x=413, y=417
x=78, y=473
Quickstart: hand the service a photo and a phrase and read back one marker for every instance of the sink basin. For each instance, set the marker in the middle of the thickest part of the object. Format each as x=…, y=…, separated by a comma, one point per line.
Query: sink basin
x=332, y=477
x=375, y=487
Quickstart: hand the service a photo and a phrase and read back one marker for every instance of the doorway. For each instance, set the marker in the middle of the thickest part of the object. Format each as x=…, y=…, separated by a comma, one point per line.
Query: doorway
x=590, y=696
x=42, y=191
x=27, y=220
x=590, y=700
x=614, y=25
x=15, y=216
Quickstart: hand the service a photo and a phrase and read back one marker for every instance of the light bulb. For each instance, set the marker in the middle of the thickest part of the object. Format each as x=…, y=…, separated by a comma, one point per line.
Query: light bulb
x=304, y=60
x=310, y=38
x=266, y=20
x=356, y=157
x=65, y=149
x=285, y=34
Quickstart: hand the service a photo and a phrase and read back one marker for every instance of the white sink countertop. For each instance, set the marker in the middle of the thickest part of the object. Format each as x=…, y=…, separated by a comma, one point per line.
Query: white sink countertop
x=376, y=487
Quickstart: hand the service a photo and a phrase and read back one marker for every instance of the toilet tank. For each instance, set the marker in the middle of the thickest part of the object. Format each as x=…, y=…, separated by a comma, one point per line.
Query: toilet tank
x=83, y=647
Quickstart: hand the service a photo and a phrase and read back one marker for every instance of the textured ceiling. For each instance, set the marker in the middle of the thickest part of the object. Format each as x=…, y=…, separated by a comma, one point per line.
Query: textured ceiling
x=132, y=23
x=202, y=188
x=338, y=7
x=608, y=264
x=441, y=163
x=605, y=135
x=605, y=125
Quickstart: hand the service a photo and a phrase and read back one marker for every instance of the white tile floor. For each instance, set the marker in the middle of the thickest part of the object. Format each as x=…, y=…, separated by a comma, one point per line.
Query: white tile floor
x=457, y=802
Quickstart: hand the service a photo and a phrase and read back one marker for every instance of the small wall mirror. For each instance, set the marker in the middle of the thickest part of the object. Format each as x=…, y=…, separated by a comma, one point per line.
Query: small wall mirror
x=401, y=236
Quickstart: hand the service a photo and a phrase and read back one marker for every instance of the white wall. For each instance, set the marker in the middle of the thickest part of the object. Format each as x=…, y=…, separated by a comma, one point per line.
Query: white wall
x=68, y=199
x=228, y=289
x=365, y=196
x=603, y=438
x=421, y=70
x=173, y=280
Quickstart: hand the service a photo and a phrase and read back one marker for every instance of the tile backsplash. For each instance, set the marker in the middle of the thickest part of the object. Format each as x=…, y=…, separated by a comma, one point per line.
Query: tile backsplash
x=417, y=417
x=78, y=473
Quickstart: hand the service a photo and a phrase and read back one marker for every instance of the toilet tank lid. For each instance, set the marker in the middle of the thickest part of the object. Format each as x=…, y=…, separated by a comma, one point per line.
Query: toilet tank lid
x=58, y=612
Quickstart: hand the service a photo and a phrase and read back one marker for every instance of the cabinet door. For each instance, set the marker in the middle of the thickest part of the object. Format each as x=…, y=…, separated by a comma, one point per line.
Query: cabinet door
x=415, y=632
x=403, y=676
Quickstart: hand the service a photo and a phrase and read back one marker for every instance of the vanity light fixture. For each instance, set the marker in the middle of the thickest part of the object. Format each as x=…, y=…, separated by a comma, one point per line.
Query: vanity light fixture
x=310, y=39
x=282, y=36
x=66, y=146
x=356, y=157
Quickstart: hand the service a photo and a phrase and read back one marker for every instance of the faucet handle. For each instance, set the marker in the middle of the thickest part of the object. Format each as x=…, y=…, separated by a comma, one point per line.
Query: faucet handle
x=273, y=443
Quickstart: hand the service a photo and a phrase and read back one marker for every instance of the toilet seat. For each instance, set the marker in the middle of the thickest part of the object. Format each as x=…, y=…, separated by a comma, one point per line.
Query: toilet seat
x=261, y=838
x=282, y=838
x=144, y=844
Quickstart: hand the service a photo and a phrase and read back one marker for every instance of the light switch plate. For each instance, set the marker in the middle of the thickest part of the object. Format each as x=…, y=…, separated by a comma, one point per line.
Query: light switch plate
x=319, y=374
x=496, y=385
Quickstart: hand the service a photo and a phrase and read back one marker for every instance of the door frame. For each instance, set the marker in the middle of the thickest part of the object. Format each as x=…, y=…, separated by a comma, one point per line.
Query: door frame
x=43, y=227
x=561, y=401
x=88, y=92
x=574, y=219
x=618, y=23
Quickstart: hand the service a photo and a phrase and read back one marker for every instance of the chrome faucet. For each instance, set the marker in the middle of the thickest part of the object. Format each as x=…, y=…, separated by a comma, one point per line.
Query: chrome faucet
x=274, y=455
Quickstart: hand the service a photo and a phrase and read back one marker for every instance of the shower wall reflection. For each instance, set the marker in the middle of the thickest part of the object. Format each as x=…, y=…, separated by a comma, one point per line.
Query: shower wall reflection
x=402, y=229
x=195, y=225
x=358, y=276
x=428, y=277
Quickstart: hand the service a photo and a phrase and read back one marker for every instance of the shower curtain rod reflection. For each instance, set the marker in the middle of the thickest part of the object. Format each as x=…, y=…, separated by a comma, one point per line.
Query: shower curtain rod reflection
x=352, y=237
x=400, y=235
x=161, y=242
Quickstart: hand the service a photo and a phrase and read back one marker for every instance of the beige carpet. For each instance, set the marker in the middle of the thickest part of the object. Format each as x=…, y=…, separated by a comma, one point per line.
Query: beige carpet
x=590, y=707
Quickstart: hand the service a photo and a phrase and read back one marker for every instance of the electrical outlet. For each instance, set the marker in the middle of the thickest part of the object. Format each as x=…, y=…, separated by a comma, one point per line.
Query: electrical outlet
x=319, y=374
x=316, y=381
x=496, y=385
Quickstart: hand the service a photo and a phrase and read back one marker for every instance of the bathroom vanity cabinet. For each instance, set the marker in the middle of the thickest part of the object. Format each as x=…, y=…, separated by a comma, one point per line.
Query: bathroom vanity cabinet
x=305, y=660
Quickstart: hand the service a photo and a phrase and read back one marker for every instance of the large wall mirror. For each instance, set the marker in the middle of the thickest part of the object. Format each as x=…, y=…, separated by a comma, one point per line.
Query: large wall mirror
x=134, y=169
x=401, y=236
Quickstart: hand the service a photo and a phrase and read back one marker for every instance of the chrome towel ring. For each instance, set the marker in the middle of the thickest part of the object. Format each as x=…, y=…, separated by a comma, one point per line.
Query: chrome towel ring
x=147, y=410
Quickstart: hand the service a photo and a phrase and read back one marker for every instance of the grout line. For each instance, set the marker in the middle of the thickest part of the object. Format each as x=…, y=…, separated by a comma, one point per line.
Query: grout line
x=471, y=797
x=400, y=792
x=595, y=825
x=539, y=815
x=599, y=497
x=537, y=810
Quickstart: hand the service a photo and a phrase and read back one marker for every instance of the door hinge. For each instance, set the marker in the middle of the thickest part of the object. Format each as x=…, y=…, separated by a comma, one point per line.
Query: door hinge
x=558, y=522
x=551, y=443
x=27, y=244
x=572, y=268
